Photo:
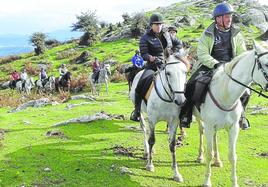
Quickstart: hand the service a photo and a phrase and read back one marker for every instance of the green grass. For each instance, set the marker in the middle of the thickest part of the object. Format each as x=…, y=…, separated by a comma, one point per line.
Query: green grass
x=85, y=158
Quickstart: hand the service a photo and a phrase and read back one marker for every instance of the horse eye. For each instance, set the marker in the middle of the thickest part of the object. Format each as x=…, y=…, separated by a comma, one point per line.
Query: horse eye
x=168, y=74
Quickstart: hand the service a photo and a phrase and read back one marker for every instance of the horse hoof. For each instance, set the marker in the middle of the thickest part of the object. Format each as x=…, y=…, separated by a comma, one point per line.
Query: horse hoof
x=200, y=160
x=207, y=185
x=217, y=164
x=150, y=167
x=178, y=178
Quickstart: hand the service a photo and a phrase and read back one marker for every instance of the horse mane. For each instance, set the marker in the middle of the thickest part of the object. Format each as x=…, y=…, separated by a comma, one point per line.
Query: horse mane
x=230, y=66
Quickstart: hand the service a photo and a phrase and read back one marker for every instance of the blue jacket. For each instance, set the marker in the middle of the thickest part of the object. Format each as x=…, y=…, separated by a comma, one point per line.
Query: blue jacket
x=137, y=61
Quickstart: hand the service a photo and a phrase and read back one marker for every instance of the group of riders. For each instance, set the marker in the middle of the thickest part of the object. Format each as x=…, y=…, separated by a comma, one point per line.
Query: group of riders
x=15, y=76
x=219, y=44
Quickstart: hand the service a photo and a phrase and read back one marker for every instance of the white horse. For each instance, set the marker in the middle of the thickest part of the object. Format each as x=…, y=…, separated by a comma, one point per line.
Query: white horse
x=104, y=74
x=222, y=107
x=49, y=85
x=163, y=104
x=26, y=87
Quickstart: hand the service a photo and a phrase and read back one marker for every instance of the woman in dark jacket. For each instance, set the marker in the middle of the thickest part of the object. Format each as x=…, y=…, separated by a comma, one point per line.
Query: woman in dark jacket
x=152, y=46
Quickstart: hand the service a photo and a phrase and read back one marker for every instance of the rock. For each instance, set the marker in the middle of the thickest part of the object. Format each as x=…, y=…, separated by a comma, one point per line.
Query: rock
x=55, y=133
x=75, y=105
x=26, y=122
x=33, y=103
x=125, y=170
x=4, y=85
x=77, y=97
x=82, y=58
x=84, y=119
x=47, y=169
x=54, y=103
x=256, y=16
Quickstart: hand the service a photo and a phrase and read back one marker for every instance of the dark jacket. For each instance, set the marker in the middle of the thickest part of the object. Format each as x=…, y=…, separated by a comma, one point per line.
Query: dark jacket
x=176, y=44
x=151, y=44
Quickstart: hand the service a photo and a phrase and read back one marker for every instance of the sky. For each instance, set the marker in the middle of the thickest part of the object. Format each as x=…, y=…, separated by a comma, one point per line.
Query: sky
x=28, y=16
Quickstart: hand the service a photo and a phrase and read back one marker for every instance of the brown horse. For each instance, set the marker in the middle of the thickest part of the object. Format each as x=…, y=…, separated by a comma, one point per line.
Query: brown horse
x=64, y=83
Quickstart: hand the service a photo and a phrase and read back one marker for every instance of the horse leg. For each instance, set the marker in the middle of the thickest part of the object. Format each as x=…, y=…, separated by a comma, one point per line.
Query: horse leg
x=151, y=142
x=209, y=136
x=233, y=135
x=172, y=147
x=145, y=141
x=200, y=158
x=217, y=162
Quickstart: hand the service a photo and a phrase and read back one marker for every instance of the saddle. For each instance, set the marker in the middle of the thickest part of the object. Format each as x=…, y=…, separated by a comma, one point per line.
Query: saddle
x=201, y=86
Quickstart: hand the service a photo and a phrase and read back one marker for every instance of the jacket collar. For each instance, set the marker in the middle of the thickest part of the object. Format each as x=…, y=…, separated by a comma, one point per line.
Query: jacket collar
x=210, y=30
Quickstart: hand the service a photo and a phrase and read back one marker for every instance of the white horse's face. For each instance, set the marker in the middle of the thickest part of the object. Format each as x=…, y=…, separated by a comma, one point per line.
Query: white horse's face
x=107, y=67
x=176, y=77
x=260, y=74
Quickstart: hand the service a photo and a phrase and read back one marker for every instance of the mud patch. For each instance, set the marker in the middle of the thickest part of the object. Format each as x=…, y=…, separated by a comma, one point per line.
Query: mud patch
x=56, y=133
x=125, y=151
x=264, y=154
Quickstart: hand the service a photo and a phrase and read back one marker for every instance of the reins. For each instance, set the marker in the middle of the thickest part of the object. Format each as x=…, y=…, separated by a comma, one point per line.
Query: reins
x=169, y=100
x=257, y=61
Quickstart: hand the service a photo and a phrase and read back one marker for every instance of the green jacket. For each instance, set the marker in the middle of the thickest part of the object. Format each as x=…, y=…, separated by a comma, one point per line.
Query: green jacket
x=206, y=42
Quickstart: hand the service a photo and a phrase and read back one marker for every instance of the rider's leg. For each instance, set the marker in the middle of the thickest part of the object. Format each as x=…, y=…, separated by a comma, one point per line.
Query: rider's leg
x=187, y=110
x=140, y=92
x=135, y=115
x=243, y=122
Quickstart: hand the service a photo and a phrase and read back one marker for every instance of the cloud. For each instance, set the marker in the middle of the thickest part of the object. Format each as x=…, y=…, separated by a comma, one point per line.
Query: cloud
x=27, y=16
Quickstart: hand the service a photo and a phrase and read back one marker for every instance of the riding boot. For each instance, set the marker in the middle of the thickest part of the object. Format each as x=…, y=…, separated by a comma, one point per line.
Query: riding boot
x=243, y=121
x=186, y=115
x=135, y=115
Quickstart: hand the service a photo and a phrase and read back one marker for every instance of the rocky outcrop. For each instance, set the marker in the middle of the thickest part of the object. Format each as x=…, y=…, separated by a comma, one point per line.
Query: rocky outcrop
x=257, y=16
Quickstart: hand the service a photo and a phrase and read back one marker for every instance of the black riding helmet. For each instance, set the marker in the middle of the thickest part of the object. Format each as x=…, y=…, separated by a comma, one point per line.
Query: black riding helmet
x=172, y=28
x=156, y=18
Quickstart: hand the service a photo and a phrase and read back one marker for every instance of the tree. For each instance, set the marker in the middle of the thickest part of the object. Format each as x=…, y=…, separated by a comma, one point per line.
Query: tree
x=139, y=23
x=38, y=41
x=87, y=23
x=126, y=18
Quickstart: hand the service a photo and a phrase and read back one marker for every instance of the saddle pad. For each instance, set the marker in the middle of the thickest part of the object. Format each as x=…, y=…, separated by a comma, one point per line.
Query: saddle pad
x=148, y=93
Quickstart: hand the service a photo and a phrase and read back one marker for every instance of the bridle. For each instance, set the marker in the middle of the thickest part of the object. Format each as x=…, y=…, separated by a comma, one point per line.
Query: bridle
x=260, y=67
x=171, y=92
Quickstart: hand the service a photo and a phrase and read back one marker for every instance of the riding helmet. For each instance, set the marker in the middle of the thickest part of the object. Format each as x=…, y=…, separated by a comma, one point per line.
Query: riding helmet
x=156, y=18
x=172, y=28
x=222, y=9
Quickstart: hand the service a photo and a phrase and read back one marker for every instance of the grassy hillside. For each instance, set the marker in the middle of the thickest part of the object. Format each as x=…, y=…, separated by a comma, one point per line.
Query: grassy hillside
x=86, y=154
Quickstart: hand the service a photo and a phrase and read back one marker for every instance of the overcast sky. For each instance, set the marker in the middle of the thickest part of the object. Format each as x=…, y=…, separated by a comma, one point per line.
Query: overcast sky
x=28, y=16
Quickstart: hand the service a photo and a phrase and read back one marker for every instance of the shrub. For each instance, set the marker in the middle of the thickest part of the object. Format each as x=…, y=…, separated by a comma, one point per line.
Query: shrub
x=9, y=59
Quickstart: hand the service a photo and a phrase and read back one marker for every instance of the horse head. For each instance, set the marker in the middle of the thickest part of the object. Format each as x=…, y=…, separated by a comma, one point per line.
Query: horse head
x=107, y=68
x=175, y=76
x=260, y=73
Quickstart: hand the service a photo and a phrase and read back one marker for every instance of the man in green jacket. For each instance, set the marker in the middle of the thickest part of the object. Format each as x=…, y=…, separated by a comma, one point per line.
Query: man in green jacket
x=219, y=44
